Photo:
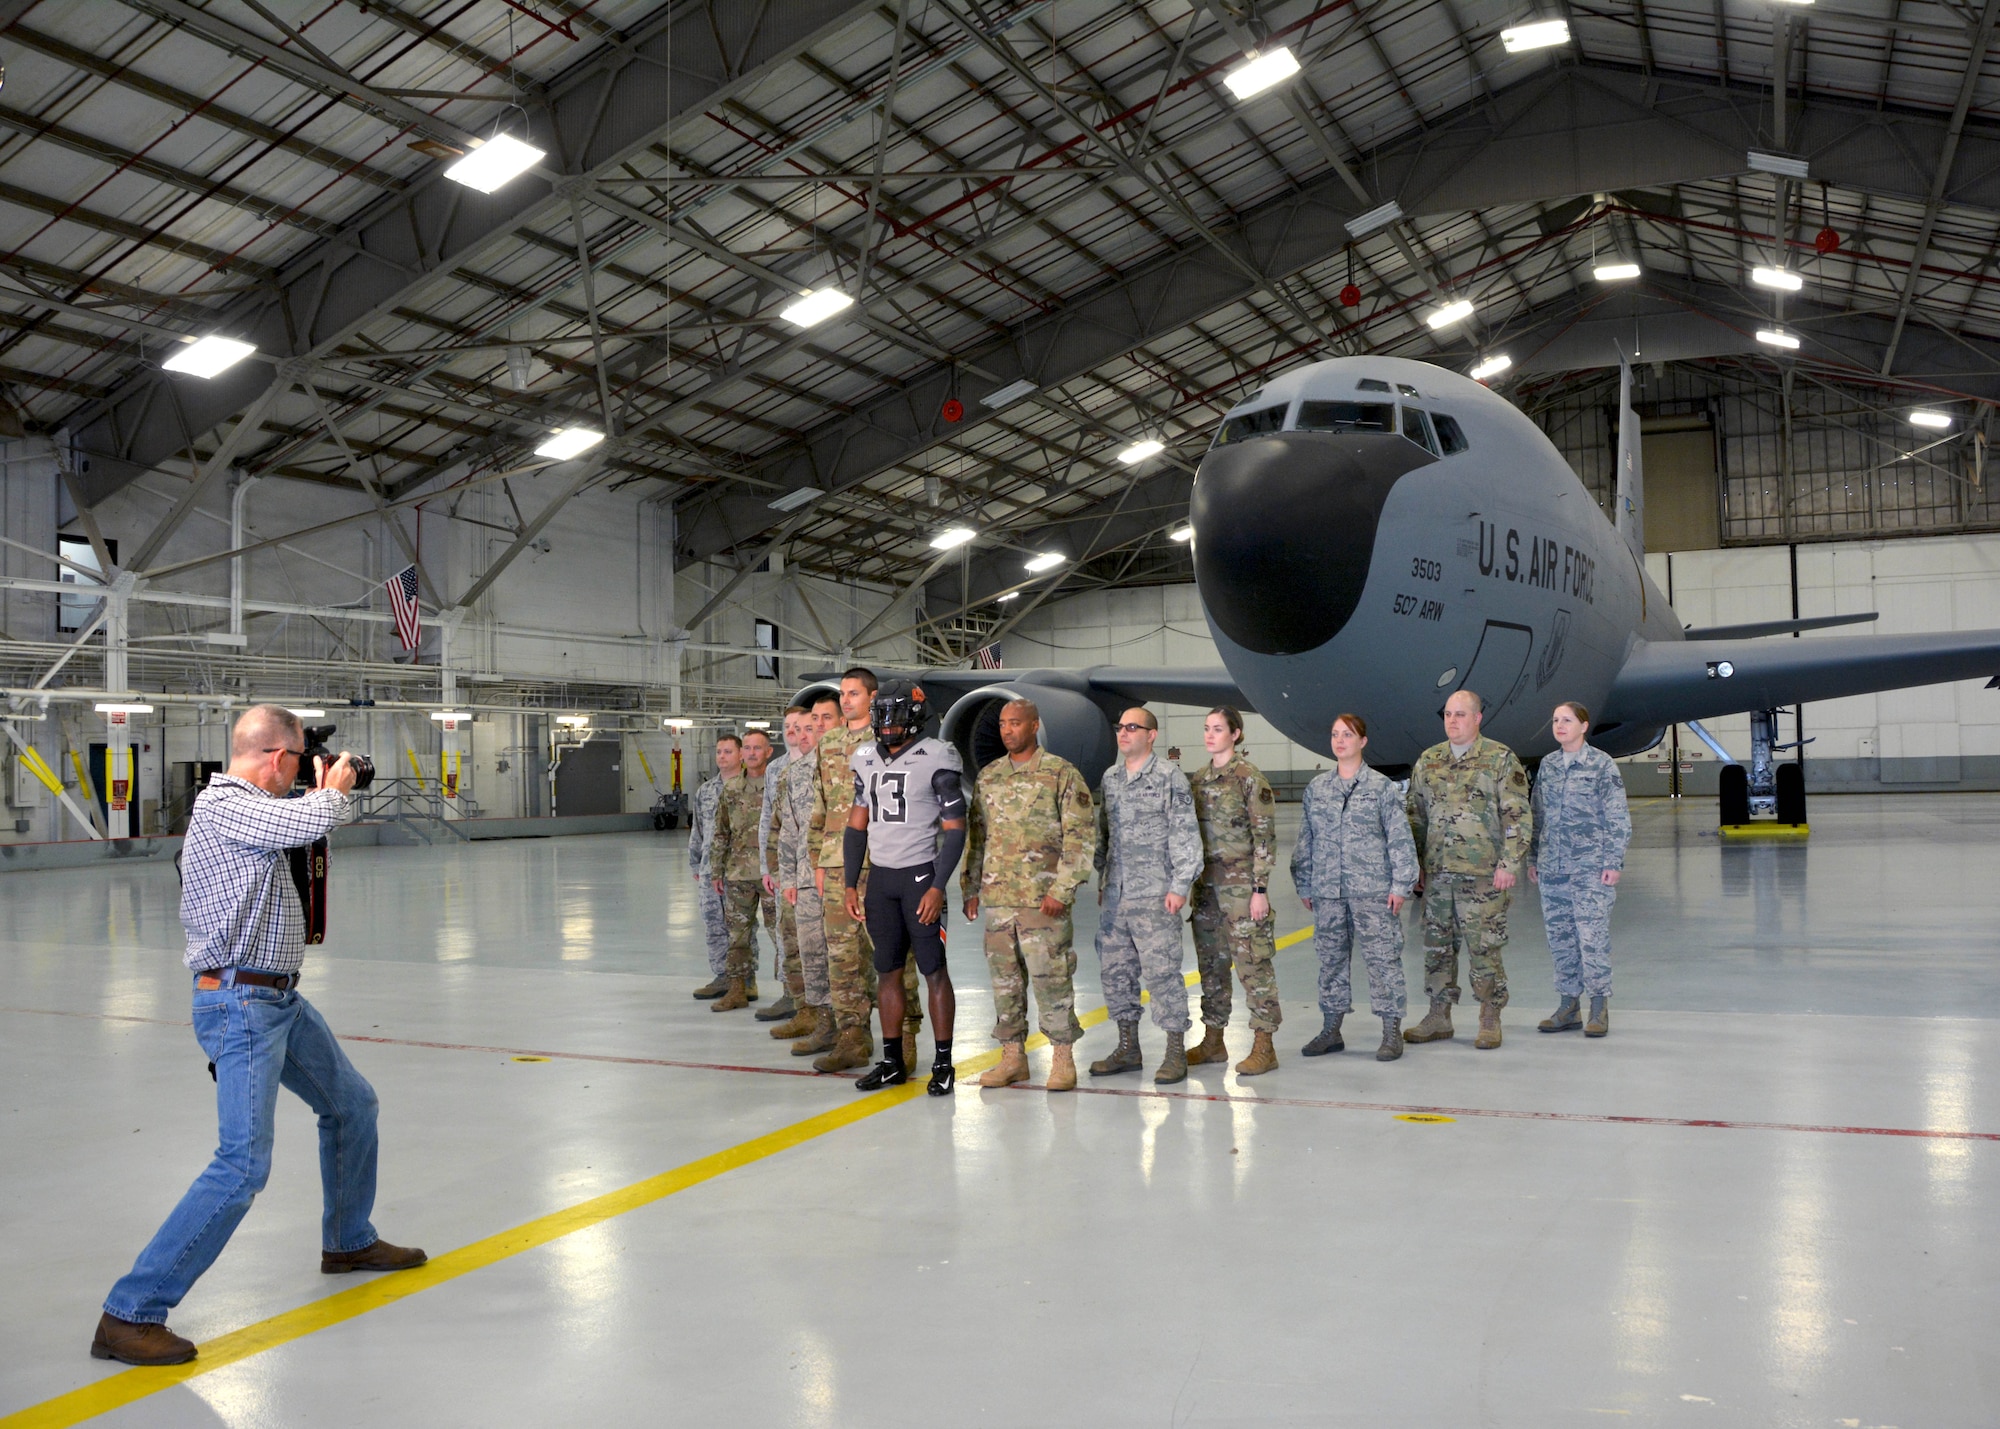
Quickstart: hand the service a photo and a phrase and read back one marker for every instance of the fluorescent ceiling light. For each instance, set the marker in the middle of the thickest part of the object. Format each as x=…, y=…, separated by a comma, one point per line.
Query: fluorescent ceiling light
x=677, y=724
x=1925, y=418
x=952, y=539
x=1782, y=164
x=756, y=724
x=310, y=714
x=207, y=356
x=1615, y=272
x=793, y=500
x=124, y=709
x=569, y=442
x=495, y=162
x=1537, y=36
x=1185, y=533
x=1010, y=394
x=1047, y=562
x=1010, y=595
x=574, y=721
x=1490, y=366
x=1139, y=451
x=1363, y=224
x=1450, y=313
x=462, y=716
x=1259, y=72
x=1777, y=337
x=1781, y=278
x=816, y=307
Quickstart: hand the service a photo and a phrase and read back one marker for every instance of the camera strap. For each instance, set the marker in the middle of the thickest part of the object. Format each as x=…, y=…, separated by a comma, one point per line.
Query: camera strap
x=309, y=877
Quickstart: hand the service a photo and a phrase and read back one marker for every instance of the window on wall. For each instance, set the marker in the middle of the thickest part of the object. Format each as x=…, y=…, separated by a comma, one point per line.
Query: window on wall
x=73, y=612
x=767, y=639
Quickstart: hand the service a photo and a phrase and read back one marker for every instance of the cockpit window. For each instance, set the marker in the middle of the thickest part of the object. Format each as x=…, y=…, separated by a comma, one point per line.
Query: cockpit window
x=1418, y=429
x=1251, y=424
x=1346, y=417
x=1372, y=384
x=1450, y=434
x=1407, y=390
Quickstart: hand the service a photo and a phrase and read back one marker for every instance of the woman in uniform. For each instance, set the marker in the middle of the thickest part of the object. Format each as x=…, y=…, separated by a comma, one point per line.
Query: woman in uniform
x=1232, y=905
x=1576, y=858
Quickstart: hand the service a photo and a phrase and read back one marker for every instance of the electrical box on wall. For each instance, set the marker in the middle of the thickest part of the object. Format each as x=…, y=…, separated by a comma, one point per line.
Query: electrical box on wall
x=24, y=790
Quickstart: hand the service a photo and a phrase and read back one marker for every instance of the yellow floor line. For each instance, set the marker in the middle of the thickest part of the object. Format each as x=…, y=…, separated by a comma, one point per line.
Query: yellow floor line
x=131, y=1385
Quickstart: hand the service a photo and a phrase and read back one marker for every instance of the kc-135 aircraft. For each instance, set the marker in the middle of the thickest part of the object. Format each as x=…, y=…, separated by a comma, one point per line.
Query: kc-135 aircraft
x=1373, y=533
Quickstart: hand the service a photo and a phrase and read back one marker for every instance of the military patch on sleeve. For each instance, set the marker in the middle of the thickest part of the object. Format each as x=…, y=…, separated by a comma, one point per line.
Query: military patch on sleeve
x=1519, y=779
x=1267, y=797
x=1083, y=798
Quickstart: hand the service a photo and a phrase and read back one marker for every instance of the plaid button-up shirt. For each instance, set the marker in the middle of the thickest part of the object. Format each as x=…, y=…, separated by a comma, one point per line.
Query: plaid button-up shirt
x=237, y=900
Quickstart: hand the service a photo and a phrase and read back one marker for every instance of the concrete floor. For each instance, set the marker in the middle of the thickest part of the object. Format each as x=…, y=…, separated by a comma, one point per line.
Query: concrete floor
x=1735, y=1210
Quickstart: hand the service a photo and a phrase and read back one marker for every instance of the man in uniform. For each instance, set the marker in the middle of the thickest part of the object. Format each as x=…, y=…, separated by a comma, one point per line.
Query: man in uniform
x=797, y=855
x=1031, y=839
x=1232, y=919
x=701, y=840
x=1468, y=806
x=850, y=965
x=1148, y=853
x=778, y=913
x=739, y=877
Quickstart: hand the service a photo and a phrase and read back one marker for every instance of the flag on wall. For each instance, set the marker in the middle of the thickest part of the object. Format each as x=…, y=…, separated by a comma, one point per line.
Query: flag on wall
x=403, y=598
x=987, y=657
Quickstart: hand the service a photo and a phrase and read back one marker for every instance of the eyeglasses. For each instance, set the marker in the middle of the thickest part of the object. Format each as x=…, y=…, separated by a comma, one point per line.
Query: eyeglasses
x=280, y=749
x=1134, y=728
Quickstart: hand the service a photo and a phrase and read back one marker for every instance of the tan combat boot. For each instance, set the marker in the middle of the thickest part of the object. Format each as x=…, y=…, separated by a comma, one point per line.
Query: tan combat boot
x=1600, y=1017
x=1489, y=1027
x=1062, y=1068
x=852, y=1047
x=1263, y=1057
x=1011, y=1068
x=1211, y=1048
x=799, y=1024
x=784, y=1008
x=712, y=989
x=1173, y=1062
x=820, y=1037
x=1436, y=1026
x=911, y=1027
x=737, y=996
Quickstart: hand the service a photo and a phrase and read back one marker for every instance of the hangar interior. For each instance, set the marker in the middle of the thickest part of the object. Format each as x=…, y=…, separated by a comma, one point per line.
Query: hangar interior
x=813, y=333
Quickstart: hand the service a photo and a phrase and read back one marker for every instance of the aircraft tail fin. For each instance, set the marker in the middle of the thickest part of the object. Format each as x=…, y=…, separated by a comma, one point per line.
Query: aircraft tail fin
x=1631, y=495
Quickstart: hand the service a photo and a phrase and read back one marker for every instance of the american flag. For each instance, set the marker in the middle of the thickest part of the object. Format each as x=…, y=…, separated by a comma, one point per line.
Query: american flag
x=987, y=657
x=403, y=599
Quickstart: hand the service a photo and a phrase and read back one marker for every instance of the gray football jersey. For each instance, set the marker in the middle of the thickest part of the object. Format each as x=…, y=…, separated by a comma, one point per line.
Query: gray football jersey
x=907, y=798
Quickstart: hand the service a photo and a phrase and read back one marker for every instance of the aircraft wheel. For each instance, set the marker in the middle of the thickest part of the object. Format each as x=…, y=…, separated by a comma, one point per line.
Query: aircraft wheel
x=1791, y=794
x=662, y=822
x=1735, y=794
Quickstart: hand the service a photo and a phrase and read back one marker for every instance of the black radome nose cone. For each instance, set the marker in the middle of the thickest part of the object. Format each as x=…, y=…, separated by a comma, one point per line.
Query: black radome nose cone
x=1284, y=529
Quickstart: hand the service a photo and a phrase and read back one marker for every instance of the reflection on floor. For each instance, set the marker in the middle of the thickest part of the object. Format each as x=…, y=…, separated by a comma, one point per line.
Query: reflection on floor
x=1716, y=1215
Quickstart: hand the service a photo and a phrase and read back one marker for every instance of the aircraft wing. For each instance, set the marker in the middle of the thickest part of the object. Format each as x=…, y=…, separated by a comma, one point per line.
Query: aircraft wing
x=1212, y=685
x=1672, y=681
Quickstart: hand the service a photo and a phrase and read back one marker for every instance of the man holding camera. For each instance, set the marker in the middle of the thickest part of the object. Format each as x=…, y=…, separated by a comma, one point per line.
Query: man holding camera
x=246, y=929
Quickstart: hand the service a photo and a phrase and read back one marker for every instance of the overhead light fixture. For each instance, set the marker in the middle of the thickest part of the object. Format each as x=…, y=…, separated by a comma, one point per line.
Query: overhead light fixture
x=1010, y=394
x=1926, y=418
x=1615, y=272
x=1363, y=224
x=793, y=500
x=1490, y=366
x=208, y=356
x=494, y=163
x=310, y=714
x=1536, y=36
x=569, y=442
x=1046, y=562
x=1777, y=337
x=1139, y=451
x=756, y=724
x=456, y=716
x=124, y=709
x=676, y=724
x=1450, y=313
x=1783, y=279
x=1259, y=72
x=1185, y=533
x=574, y=721
x=952, y=539
x=816, y=306
x=1003, y=599
x=1783, y=165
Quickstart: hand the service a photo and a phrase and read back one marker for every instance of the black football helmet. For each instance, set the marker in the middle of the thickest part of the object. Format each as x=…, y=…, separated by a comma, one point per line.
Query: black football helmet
x=900, y=704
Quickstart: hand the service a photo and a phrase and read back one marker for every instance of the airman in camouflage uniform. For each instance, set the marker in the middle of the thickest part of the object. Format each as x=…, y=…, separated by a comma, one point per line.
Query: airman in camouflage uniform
x=1148, y=856
x=1239, y=836
x=814, y=1024
x=778, y=915
x=1581, y=828
x=740, y=880
x=1030, y=841
x=1469, y=815
x=715, y=926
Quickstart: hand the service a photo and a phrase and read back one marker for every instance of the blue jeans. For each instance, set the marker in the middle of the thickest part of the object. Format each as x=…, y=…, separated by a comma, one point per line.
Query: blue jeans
x=260, y=1039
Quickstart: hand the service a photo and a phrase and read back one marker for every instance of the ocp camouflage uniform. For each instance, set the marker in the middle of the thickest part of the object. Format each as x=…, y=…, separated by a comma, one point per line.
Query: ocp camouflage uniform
x=1148, y=846
x=1581, y=828
x=1469, y=817
x=778, y=913
x=1354, y=850
x=1031, y=832
x=795, y=870
x=733, y=859
x=850, y=955
x=701, y=835
x=1239, y=838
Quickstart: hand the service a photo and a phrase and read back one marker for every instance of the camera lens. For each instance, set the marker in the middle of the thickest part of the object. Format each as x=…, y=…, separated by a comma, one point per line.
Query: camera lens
x=364, y=770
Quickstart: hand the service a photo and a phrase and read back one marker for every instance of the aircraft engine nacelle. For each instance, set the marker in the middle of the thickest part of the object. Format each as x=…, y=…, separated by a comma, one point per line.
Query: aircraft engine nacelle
x=1072, y=726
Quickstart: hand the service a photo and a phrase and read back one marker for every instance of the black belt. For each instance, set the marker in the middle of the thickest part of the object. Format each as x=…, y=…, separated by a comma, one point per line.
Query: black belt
x=247, y=977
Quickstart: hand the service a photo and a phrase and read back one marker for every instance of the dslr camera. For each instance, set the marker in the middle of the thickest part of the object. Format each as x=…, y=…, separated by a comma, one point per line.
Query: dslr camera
x=317, y=736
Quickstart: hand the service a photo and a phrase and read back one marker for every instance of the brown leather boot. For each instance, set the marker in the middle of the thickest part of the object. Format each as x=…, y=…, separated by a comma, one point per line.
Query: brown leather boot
x=1062, y=1068
x=910, y=1030
x=797, y=1025
x=1489, y=1027
x=1600, y=1017
x=779, y=1011
x=737, y=996
x=852, y=1047
x=1125, y=1056
x=1211, y=1048
x=1011, y=1068
x=132, y=1343
x=1263, y=1057
x=820, y=1037
x=379, y=1256
x=1173, y=1062
x=1436, y=1026
x=712, y=989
